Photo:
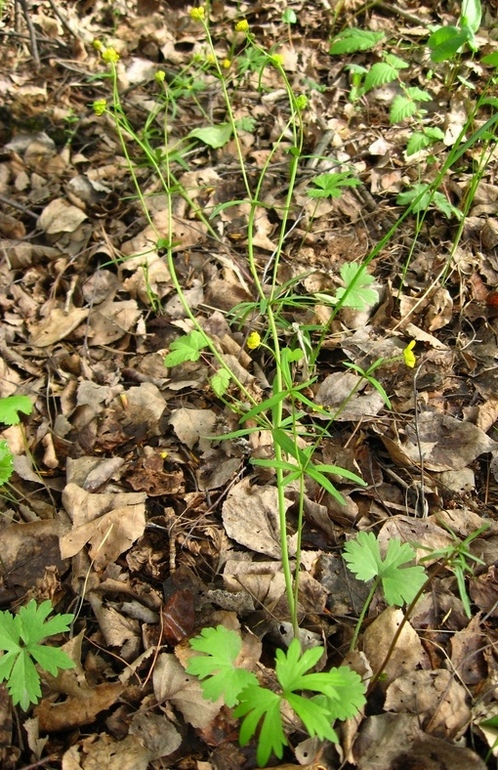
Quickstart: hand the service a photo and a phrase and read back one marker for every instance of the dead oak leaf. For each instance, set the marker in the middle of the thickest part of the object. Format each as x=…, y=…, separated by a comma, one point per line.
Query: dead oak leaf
x=109, y=522
x=445, y=443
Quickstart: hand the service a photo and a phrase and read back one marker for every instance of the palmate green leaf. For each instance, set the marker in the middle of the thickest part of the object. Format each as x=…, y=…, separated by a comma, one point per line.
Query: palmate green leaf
x=256, y=704
x=315, y=718
x=186, y=348
x=6, y=463
x=24, y=682
x=345, y=694
x=9, y=633
x=20, y=636
x=330, y=185
x=359, y=296
x=291, y=665
x=222, y=679
x=420, y=197
x=11, y=406
x=354, y=39
x=400, y=585
x=51, y=659
x=32, y=625
x=7, y=661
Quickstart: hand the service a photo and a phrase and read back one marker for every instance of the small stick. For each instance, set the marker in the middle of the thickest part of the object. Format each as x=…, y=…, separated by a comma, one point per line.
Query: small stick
x=32, y=33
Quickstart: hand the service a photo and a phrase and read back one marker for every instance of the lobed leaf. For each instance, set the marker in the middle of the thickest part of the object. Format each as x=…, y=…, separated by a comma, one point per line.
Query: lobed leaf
x=363, y=558
x=223, y=679
x=6, y=463
x=10, y=406
x=186, y=348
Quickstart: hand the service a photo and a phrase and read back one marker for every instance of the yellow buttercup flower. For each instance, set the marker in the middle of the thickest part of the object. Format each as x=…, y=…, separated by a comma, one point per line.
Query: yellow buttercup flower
x=99, y=106
x=277, y=58
x=253, y=341
x=242, y=25
x=160, y=75
x=301, y=102
x=409, y=356
x=197, y=14
x=226, y=64
x=110, y=55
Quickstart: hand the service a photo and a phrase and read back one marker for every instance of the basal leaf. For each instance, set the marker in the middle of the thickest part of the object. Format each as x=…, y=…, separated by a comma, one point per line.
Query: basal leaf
x=24, y=682
x=51, y=659
x=256, y=704
x=400, y=585
x=222, y=679
x=10, y=406
x=6, y=463
x=356, y=293
x=362, y=555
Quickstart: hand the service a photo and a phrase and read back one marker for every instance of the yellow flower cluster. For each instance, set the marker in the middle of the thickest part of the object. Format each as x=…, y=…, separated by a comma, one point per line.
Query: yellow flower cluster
x=409, y=356
x=253, y=341
x=197, y=14
x=160, y=75
x=110, y=55
x=242, y=25
x=277, y=59
x=99, y=106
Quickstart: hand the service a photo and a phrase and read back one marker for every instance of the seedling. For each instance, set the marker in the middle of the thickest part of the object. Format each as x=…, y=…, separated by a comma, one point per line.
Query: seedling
x=399, y=584
x=339, y=692
x=20, y=638
x=9, y=415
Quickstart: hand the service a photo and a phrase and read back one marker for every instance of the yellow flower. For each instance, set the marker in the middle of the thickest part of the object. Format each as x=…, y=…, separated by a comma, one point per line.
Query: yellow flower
x=110, y=55
x=301, y=102
x=98, y=45
x=277, y=59
x=253, y=341
x=242, y=25
x=226, y=64
x=409, y=356
x=99, y=106
x=197, y=14
x=210, y=58
x=160, y=75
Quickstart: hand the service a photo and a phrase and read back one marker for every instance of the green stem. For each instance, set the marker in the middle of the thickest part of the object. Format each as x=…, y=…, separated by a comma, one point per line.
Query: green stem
x=363, y=612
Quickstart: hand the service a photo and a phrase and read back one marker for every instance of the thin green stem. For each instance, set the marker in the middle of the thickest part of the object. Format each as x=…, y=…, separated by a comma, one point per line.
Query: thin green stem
x=363, y=612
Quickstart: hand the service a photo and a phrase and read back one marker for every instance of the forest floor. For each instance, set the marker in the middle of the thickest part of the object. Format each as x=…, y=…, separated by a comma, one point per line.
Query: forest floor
x=124, y=508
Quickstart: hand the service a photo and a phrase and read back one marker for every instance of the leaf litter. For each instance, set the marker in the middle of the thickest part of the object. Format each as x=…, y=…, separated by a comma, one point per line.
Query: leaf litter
x=131, y=508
